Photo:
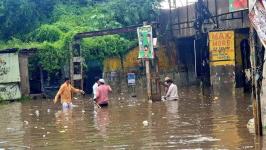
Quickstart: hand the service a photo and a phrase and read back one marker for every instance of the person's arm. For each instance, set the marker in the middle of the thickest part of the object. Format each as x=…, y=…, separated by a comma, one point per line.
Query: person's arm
x=58, y=94
x=109, y=88
x=169, y=91
x=76, y=90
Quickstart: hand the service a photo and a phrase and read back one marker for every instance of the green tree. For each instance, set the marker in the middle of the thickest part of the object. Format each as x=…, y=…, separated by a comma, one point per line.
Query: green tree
x=50, y=25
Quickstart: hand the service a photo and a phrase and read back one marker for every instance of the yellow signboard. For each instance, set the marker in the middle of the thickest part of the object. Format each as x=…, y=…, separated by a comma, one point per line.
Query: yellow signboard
x=222, y=47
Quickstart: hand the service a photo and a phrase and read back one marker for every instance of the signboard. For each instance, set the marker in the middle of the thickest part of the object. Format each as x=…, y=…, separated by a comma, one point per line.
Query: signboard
x=235, y=5
x=131, y=79
x=258, y=20
x=145, y=42
x=9, y=91
x=222, y=47
x=9, y=68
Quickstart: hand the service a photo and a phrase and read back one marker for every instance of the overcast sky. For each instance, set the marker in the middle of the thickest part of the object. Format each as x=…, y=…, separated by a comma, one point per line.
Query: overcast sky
x=179, y=3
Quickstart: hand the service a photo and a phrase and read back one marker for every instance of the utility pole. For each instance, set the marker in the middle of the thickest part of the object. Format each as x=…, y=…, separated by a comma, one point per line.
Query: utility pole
x=148, y=73
x=255, y=79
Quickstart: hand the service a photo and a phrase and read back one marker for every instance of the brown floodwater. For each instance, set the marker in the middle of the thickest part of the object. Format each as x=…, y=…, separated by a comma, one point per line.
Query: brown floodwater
x=213, y=120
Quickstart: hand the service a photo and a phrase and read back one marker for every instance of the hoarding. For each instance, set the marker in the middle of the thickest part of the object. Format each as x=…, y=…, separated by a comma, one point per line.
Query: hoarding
x=235, y=5
x=145, y=42
x=9, y=68
x=222, y=48
x=258, y=21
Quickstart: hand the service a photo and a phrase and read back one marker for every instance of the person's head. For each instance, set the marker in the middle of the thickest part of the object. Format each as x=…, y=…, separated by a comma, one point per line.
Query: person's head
x=67, y=80
x=146, y=47
x=101, y=81
x=168, y=80
x=96, y=79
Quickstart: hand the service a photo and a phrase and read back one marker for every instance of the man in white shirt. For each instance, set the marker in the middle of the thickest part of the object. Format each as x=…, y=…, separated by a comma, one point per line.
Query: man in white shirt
x=95, y=87
x=172, y=93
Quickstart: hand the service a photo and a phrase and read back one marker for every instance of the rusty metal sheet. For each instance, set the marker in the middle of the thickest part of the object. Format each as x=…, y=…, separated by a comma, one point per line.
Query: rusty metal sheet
x=9, y=68
x=10, y=91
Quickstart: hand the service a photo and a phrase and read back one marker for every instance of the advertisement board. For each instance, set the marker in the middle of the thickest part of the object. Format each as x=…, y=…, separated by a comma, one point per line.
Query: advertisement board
x=131, y=79
x=258, y=20
x=235, y=5
x=222, y=47
x=145, y=42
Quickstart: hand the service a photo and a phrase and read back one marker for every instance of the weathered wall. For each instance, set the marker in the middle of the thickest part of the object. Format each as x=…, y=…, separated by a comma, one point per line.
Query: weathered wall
x=131, y=61
x=183, y=18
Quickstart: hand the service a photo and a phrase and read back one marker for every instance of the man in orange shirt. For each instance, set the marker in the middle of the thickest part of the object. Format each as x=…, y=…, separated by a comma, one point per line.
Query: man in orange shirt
x=65, y=92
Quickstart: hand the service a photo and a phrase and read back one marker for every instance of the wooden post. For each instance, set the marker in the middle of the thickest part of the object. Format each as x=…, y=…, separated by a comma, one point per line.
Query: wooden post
x=42, y=82
x=148, y=73
x=71, y=67
x=148, y=76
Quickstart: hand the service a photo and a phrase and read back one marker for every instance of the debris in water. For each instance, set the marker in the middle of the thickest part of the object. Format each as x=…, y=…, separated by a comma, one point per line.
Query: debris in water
x=3, y=142
x=10, y=129
x=145, y=123
x=26, y=122
x=43, y=128
x=48, y=110
x=37, y=113
x=248, y=147
x=83, y=111
x=63, y=131
x=65, y=127
x=35, y=127
x=44, y=136
x=119, y=98
x=152, y=113
x=251, y=124
x=150, y=101
x=216, y=98
x=47, y=132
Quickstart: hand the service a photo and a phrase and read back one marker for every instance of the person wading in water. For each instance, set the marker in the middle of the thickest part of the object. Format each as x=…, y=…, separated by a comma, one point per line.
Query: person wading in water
x=102, y=93
x=65, y=93
x=172, y=93
x=95, y=87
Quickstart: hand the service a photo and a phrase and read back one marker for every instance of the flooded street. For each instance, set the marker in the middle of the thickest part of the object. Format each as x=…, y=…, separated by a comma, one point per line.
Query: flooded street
x=215, y=121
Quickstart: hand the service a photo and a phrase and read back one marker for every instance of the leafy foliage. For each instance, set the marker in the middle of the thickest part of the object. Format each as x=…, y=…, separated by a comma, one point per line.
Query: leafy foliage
x=51, y=24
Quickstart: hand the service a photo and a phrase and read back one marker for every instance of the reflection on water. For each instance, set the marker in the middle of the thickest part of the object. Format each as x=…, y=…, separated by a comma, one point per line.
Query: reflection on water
x=199, y=120
x=101, y=120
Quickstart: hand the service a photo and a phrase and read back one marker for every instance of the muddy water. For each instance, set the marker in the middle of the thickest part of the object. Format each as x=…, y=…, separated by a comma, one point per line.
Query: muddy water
x=213, y=121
